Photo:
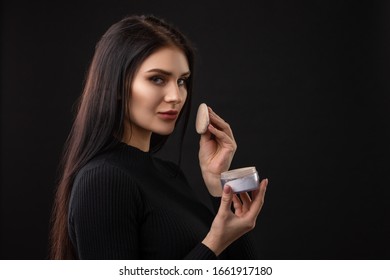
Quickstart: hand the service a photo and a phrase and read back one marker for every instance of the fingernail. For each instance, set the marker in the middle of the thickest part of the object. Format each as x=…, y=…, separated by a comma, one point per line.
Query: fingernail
x=227, y=189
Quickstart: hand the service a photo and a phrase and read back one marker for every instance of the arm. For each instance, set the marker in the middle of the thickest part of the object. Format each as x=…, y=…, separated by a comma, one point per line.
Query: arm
x=217, y=148
x=103, y=213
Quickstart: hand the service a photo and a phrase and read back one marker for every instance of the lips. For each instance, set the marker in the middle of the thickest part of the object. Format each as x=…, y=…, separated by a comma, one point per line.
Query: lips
x=168, y=115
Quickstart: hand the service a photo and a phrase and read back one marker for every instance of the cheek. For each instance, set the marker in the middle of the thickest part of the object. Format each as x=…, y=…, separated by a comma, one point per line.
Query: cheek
x=144, y=97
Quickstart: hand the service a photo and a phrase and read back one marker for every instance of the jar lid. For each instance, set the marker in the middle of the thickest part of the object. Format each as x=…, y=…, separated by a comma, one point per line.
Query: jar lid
x=237, y=173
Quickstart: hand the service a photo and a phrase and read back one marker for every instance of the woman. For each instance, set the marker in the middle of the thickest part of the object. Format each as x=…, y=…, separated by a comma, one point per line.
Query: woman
x=115, y=200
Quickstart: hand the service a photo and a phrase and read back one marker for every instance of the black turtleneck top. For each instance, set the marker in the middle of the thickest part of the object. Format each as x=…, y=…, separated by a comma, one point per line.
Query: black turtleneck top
x=128, y=204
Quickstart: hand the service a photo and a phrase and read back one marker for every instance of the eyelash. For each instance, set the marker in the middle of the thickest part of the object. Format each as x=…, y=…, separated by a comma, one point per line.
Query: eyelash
x=155, y=79
x=185, y=80
x=160, y=80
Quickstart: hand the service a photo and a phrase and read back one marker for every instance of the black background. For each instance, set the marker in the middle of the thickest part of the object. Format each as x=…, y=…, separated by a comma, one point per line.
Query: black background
x=304, y=85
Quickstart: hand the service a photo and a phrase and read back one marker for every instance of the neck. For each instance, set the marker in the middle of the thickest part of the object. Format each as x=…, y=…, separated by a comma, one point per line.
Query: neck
x=137, y=137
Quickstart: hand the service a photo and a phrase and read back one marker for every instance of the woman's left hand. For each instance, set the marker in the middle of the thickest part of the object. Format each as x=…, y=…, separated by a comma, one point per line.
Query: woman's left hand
x=217, y=148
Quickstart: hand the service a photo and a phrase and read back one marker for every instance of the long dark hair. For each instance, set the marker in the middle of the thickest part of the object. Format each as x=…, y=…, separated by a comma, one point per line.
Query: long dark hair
x=103, y=104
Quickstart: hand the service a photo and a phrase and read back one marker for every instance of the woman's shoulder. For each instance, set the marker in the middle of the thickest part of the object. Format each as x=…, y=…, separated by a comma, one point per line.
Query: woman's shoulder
x=117, y=159
x=103, y=172
x=102, y=180
x=102, y=186
x=104, y=164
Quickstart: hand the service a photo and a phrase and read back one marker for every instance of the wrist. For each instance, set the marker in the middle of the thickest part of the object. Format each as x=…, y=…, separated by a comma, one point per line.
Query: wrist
x=214, y=244
x=213, y=184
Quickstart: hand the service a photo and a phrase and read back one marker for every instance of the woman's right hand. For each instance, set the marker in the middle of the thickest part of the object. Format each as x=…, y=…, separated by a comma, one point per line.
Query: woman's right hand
x=228, y=226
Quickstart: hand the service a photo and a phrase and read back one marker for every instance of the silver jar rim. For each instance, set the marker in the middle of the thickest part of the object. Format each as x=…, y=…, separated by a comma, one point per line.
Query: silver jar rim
x=237, y=173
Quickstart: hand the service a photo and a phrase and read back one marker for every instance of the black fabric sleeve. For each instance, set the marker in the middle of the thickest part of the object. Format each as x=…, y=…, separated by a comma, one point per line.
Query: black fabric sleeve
x=201, y=252
x=104, y=214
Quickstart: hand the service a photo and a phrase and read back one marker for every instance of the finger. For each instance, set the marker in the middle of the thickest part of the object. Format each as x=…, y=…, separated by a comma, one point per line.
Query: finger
x=226, y=199
x=237, y=205
x=222, y=136
x=217, y=119
x=246, y=200
x=258, y=198
x=205, y=137
x=220, y=123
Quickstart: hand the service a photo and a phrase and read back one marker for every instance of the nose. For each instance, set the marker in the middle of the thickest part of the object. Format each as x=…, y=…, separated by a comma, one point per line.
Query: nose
x=174, y=94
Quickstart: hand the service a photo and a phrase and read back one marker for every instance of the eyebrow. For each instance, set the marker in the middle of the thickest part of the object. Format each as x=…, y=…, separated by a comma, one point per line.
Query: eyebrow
x=167, y=73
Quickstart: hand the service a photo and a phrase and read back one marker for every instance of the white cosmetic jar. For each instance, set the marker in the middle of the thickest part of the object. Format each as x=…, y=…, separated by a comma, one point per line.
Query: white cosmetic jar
x=241, y=179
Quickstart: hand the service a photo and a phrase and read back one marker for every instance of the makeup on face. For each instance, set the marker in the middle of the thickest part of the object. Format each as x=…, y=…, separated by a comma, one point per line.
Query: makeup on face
x=241, y=179
x=202, y=119
x=169, y=115
x=158, y=93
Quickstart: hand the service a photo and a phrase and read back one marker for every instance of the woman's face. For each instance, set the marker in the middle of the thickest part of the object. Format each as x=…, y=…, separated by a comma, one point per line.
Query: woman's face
x=158, y=93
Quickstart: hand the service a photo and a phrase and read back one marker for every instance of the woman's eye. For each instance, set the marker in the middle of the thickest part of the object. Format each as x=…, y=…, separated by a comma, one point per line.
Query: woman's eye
x=182, y=82
x=157, y=80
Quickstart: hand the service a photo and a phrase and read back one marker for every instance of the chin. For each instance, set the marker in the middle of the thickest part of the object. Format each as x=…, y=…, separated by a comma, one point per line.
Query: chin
x=164, y=132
